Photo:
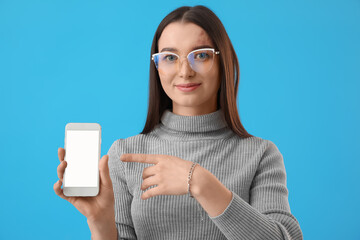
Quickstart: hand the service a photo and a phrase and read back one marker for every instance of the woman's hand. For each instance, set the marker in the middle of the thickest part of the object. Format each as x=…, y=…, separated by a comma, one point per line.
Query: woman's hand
x=93, y=208
x=169, y=173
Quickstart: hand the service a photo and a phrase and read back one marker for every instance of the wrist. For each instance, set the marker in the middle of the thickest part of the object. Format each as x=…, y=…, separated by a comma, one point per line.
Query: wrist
x=198, y=181
x=104, y=228
x=212, y=195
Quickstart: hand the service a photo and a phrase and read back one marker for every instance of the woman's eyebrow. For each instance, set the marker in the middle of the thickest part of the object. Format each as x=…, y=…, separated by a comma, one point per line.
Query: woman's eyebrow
x=175, y=50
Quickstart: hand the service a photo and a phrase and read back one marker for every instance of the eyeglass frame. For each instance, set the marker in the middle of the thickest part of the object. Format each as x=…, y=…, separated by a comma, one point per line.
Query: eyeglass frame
x=187, y=57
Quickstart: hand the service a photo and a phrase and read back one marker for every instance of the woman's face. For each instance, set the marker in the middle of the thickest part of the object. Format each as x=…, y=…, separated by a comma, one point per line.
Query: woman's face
x=186, y=37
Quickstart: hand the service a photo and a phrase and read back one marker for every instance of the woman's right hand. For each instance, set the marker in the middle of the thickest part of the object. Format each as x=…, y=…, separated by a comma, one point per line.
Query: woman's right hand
x=95, y=209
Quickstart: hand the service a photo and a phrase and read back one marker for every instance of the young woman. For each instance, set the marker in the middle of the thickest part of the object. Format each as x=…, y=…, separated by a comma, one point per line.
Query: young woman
x=193, y=172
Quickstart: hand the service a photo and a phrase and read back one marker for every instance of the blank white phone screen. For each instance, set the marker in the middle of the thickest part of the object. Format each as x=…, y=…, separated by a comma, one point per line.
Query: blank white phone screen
x=82, y=153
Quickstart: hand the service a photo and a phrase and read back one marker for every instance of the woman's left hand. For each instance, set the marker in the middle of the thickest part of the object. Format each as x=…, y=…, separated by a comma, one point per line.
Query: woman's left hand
x=169, y=173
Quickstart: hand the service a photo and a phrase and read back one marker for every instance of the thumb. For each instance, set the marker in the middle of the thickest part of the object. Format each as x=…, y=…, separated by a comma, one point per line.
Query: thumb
x=104, y=172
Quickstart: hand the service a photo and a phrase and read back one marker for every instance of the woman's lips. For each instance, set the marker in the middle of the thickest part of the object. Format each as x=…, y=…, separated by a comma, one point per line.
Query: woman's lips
x=188, y=89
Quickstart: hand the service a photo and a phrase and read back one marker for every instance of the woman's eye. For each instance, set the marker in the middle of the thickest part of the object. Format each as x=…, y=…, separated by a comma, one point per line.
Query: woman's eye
x=202, y=55
x=170, y=58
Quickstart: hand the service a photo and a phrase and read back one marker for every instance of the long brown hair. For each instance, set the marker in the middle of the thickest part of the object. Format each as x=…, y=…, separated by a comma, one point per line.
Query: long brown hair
x=229, y=68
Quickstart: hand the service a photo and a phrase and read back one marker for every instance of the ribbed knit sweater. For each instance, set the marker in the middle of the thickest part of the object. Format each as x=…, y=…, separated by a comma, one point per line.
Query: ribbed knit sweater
x=251, y=168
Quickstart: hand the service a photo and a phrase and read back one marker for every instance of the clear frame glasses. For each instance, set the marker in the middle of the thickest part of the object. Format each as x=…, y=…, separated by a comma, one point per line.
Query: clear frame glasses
x=200, y=60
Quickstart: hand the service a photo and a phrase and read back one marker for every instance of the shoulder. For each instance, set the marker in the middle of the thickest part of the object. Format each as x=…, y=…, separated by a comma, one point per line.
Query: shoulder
x=270, y=155
x=122, y=145
x=254, y=141
x=259, y=147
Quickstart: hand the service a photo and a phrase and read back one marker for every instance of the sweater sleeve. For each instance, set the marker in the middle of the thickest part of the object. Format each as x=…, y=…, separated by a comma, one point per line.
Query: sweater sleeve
x=123, y=198
x=268, y=215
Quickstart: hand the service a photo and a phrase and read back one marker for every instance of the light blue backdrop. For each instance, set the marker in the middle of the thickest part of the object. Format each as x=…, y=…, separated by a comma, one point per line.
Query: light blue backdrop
x=88, y=61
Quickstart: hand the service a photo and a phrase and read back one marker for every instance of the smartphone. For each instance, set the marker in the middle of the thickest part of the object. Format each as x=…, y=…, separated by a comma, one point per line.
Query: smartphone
x=82, y=154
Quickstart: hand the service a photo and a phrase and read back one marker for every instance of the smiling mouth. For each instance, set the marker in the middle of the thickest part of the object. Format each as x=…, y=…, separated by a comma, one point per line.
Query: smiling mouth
x=188, y=85
x=188, y=89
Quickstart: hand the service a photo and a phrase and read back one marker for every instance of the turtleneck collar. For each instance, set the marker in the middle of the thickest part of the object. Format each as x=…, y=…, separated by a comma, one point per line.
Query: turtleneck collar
x=194, y=124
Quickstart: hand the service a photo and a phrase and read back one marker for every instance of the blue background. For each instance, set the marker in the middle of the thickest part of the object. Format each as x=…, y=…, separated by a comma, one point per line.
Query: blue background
x=88, y=61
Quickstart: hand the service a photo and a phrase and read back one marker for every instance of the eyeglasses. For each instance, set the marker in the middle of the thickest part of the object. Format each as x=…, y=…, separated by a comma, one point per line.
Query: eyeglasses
x=200, y=60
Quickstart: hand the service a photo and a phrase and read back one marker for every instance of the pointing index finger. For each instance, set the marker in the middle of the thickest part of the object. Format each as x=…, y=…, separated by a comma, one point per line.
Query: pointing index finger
x=141, y=158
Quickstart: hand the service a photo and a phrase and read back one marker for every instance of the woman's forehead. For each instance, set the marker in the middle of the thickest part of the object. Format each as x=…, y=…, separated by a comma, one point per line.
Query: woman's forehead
x=183, y=37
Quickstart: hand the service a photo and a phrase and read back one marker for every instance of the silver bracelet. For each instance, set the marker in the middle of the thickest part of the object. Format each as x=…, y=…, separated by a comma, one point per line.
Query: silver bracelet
x=189, y=177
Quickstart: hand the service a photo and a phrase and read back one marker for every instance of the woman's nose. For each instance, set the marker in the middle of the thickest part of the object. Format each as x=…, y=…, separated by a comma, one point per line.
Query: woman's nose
x=185, y=68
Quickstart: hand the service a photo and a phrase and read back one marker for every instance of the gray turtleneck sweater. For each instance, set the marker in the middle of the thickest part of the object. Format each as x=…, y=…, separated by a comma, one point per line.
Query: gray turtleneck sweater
x=251, y=168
